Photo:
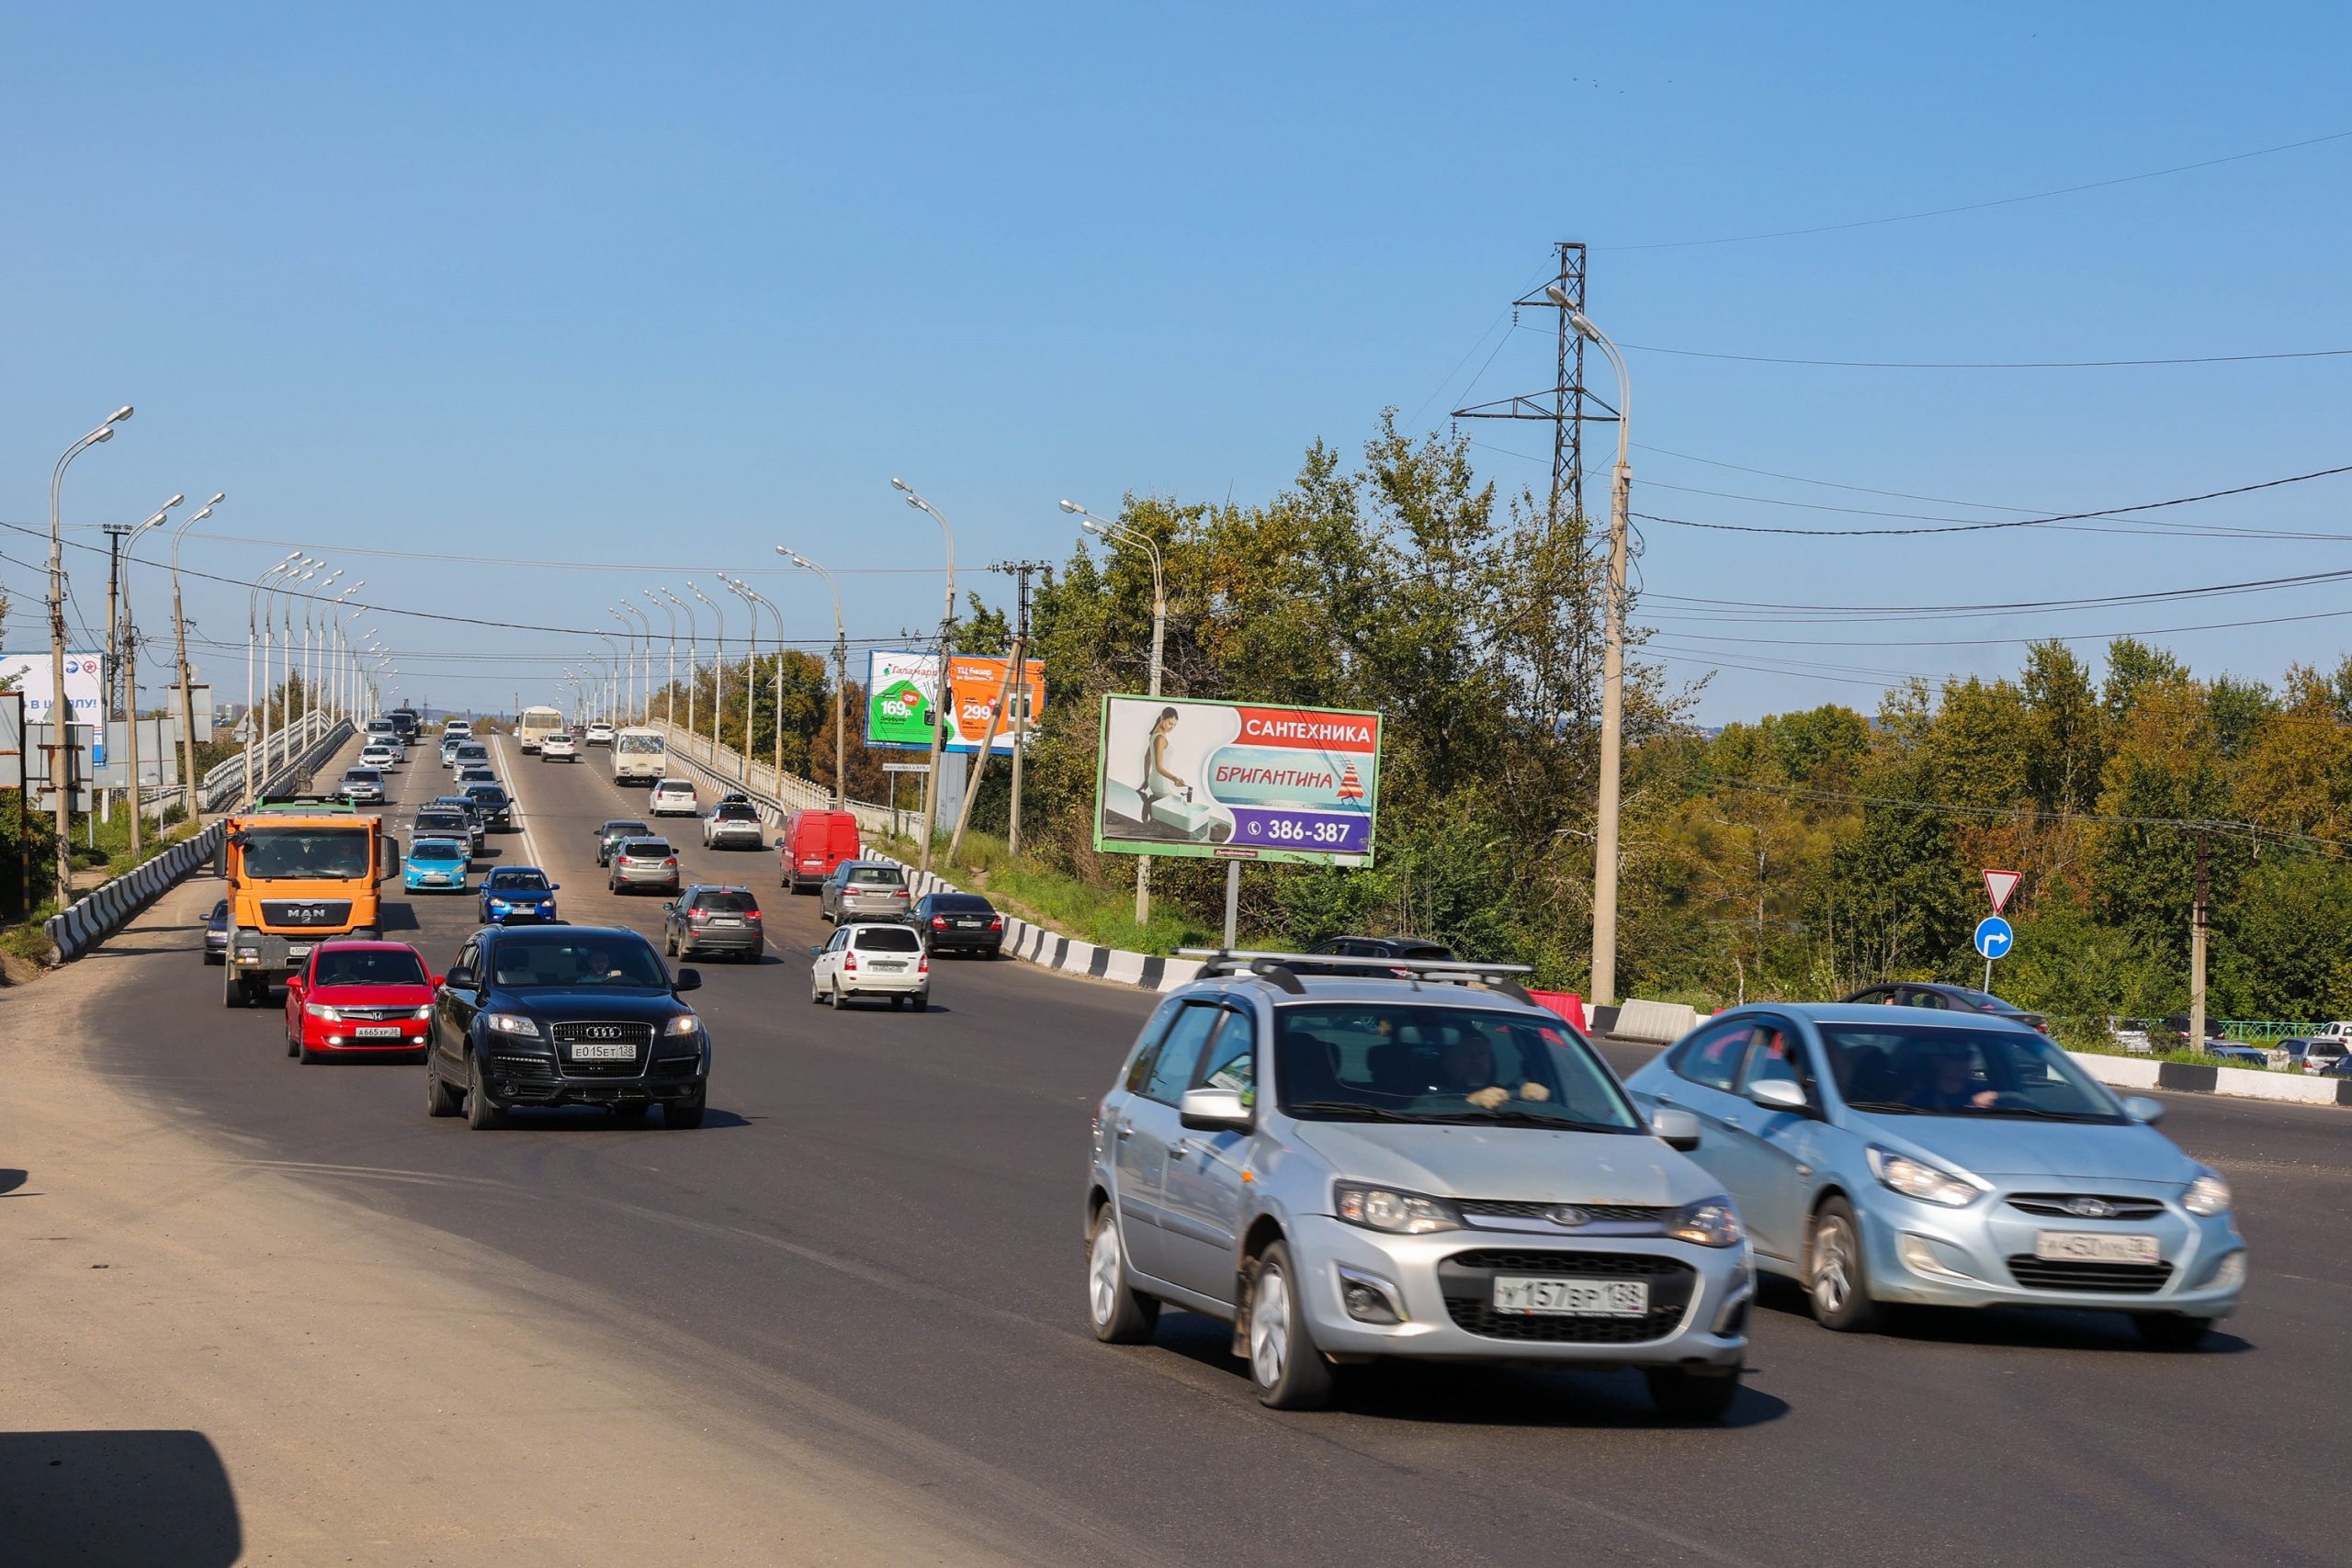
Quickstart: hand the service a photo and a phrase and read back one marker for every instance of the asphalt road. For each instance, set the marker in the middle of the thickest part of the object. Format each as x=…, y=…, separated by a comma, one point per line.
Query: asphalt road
x=874, y=1238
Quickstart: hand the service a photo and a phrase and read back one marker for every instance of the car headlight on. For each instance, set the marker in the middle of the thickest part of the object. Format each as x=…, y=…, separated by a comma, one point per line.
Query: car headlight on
x=1916, y=1178
x=321, y=1011
x=423, y=1012
x=684, y=1024
x=2207, y=1196
x=1710, y=1222
x=510, y=1024
x=498, y=906
x=1385, y=1209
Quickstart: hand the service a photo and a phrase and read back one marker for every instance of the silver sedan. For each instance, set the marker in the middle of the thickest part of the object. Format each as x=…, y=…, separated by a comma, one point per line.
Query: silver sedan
x=1888, y=1155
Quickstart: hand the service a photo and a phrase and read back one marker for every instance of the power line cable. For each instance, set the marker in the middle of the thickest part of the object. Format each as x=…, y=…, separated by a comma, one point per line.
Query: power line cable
x=1990, y=364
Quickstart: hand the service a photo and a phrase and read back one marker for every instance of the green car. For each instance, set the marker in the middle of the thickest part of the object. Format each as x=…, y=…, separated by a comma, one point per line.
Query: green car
x=612, y=833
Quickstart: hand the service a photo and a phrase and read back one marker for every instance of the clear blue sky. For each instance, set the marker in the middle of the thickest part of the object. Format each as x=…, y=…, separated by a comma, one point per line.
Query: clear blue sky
x=592, y=283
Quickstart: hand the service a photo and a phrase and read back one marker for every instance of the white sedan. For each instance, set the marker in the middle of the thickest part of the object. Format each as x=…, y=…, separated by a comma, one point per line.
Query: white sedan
x=559, y=747
x=872, y=959
x=673, y=797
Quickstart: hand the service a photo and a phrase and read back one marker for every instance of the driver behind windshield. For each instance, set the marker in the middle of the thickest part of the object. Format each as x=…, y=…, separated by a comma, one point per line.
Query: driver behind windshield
x=1942, y=1079
x=1467, y=1067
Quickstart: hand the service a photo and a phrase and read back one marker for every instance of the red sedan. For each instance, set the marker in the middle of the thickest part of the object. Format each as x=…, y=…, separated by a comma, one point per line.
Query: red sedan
x=358, y=997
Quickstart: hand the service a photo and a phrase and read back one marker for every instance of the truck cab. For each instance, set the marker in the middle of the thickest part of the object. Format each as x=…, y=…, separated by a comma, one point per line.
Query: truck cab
x=297, y=873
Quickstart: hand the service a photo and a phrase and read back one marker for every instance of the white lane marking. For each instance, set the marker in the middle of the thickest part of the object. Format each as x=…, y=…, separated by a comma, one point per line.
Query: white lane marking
x=514, y=792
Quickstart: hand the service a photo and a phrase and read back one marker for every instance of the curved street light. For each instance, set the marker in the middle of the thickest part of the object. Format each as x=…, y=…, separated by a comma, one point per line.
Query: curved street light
x=670, y=663
x=61, y=711
x=840, y=675
x=718, y=669
x=946, y=651
x=179, y=663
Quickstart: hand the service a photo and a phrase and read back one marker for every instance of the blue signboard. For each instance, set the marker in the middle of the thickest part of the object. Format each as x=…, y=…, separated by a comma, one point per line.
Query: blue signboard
x=1994, y=937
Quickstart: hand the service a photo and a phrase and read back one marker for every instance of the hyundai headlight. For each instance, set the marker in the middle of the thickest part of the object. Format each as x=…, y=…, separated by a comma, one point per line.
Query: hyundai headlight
x=684, y=1024
x=511, y=1023
x=1710, y=1222
x=1385, y=1209
x=2207, y=1196
x=1916, y=1178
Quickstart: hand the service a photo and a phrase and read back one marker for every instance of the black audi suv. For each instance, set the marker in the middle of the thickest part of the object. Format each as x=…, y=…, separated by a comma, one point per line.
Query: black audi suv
x=565, y=1015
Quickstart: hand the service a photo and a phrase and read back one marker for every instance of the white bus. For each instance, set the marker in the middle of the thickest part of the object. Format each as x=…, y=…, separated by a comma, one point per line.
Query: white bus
x=535, y=725
x=637, y=757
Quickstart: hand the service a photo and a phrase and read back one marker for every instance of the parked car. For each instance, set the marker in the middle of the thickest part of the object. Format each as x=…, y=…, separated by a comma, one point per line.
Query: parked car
x=672, y=797
x=2339, y=1068
x=1946, y=998
x=436, y=864
x=871, y=959
x=559, y=748
x=599, y=733
x=565, y=1015
x=2173, y=1034
x=643, y=863
x=511, y=893
x=358, y=999
x=609, y=835
x=959, y=922
x=1885, y=1155
x=2319, y=1055
x=362, y=786
x=497, y=806
x=1350, y=1168
x=1405, y=949
x=709, y=918
x=863, y=890
x=2130, y=1034
x=733, y=824
x=813, y=845
x=215, y=933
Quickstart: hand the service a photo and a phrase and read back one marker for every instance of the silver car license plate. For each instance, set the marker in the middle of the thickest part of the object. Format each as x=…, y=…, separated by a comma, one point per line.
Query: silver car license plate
x=2096, y=1246
x=1571, y=1298
x=621, y=1050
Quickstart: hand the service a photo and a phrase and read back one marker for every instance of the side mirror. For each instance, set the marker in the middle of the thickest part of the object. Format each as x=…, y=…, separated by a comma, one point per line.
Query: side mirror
x=555, y=886
x=293, y=985
x=779, y=841
x=1213, y=1110
x=817, y=952
x=687, y=980
x=460, y=978
x=1676, y=1128
x=2143, y=1110
x=433, y=981
x=1778, y=1094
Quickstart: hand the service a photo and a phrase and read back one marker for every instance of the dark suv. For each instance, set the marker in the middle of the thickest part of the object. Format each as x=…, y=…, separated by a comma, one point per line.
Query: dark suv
x=564, y=1015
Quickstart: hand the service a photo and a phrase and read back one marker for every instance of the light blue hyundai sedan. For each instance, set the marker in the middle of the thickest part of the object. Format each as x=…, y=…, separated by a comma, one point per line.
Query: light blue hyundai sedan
x=1887, y=1155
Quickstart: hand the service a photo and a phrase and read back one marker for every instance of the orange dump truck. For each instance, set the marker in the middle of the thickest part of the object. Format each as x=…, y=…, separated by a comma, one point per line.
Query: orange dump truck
x=299, y=872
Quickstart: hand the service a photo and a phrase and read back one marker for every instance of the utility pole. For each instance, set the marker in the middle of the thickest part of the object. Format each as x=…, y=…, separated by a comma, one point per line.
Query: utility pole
x=114, y=531
x=1020, y=714
x=2198, y=930
x=1015, y=671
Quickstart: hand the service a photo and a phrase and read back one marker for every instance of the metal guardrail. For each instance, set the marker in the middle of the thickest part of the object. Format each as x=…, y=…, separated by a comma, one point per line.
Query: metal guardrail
x=289, y=754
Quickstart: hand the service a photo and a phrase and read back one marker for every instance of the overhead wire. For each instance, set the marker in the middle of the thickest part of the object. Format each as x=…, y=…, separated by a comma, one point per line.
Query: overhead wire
x=1990, y=364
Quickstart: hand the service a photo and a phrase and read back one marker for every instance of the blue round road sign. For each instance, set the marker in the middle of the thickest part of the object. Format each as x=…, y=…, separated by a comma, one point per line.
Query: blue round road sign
x=1994, y=937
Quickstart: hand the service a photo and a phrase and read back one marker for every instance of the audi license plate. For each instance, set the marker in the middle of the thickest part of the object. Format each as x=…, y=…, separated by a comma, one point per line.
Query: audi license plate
x=376, y=1031
x=2095, y=1247
x=1572, y=1298
x=603, y=1051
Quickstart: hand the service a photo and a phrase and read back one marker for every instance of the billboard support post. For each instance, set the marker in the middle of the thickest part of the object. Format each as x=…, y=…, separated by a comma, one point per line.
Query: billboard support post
x=1232, y=901
x=988, y=742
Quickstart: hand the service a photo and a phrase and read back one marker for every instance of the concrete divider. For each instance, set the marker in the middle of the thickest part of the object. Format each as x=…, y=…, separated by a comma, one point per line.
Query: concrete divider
x=1655, y=1023
x=107, y=907
x=2242, y=1083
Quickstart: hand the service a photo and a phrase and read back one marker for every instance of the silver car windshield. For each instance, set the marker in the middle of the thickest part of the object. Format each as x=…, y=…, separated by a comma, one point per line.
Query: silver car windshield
x=1929, y=1070
x=1432, y=1062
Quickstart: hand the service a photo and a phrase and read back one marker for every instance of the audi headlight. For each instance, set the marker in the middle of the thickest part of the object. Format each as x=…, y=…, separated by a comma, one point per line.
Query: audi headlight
x=684, y=1024
x=335, y=1015
x=511, y=1023
x=2207, y=1196
x=1384, y=1209
x=1710, y=1222
x=1916, y=1178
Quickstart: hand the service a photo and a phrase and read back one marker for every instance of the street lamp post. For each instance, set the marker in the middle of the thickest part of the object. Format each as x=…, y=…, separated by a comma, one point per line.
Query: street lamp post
x=718, y=670
x=61, y=711
x=1612, y=671
x=1119, y=533
x=758, y=602
x=841, y=676
x=694, y=654
x=255, y=631
x=946, y=651
x=670, y=663
x=628, y=671
x=286, y=695
x=179, y=637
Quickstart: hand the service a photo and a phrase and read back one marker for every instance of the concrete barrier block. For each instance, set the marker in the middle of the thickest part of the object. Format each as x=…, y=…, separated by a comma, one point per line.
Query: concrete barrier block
x=1125, y=967
x=1656, y=1023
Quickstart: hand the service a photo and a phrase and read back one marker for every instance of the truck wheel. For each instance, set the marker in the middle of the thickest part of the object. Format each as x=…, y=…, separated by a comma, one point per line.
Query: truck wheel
x=232, y=987
x=367, y=933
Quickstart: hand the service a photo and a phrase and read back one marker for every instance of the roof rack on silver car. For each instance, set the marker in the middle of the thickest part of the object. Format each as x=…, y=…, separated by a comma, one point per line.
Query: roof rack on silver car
x=1278, y=968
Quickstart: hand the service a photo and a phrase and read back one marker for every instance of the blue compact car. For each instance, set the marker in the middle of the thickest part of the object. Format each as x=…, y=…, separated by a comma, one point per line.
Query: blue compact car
x=436, y=865
x=1885, y=1155
x=512, y=893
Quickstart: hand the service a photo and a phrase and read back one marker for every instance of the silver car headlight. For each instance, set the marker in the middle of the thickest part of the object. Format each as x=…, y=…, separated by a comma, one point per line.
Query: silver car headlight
x=1385, y=1209
x=1710, y=1222
x=1916, y=1178
x=511, y=1023
x=2207, y=1196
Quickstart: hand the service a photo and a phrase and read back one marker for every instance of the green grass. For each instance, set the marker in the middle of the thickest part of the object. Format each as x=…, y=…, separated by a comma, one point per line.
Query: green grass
x=1057, y=900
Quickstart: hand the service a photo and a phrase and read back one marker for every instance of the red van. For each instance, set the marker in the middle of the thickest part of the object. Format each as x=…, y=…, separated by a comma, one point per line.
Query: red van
x=814, y=843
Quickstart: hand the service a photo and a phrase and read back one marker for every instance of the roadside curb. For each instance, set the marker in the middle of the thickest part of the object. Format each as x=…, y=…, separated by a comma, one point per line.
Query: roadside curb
x=1033, y=943
x=2239, y=1083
